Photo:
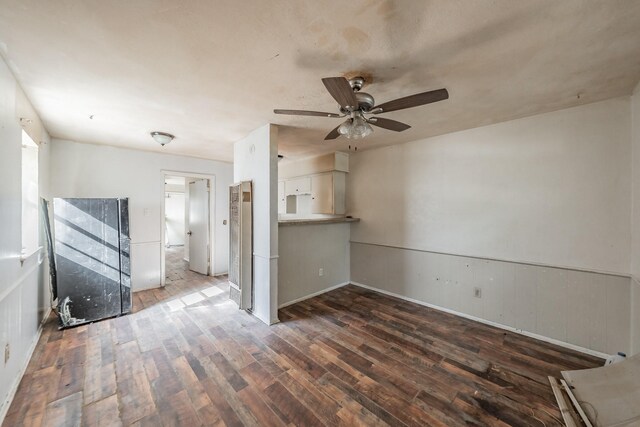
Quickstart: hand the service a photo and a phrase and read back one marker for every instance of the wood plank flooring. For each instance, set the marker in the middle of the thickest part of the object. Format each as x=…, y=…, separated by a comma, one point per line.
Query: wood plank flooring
x=188, y=357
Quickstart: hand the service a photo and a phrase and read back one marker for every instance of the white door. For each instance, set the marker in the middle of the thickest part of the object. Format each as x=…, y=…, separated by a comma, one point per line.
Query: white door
x=198, y=227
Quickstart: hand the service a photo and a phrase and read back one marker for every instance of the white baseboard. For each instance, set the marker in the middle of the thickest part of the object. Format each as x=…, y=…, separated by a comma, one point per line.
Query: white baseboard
x=14, y=388
x=315, y=294
x=489, y=322
x=158, y=286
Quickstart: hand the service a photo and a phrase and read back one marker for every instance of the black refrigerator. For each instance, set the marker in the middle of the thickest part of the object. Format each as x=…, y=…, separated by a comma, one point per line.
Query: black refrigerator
x=92, y=257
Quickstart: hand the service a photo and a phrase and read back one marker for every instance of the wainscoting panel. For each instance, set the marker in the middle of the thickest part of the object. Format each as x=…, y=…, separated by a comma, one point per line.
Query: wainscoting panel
x=585, y=309
x=20, y=320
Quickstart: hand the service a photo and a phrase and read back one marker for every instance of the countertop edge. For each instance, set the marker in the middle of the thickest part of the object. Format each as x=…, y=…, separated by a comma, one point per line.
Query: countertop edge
x=288, y=222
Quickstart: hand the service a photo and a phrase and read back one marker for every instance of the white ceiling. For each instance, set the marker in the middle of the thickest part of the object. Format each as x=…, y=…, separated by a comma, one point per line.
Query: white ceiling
x=212, y=71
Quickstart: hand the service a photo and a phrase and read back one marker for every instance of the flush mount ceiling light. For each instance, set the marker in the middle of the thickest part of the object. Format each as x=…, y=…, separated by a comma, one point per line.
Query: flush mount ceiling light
x=162, y=138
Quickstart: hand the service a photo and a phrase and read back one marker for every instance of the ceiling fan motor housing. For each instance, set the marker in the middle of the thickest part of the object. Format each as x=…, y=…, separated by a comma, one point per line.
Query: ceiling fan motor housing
x=365, y=102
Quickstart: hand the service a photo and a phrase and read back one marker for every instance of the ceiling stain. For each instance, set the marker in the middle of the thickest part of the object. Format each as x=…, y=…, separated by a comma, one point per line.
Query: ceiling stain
x=323, y=40
x=201, y=68
x=366, y=75
x=357, y=40
x=387, y=9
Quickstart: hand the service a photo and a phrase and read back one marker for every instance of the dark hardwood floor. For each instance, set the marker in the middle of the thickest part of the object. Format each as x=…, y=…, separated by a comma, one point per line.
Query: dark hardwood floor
x=188, y=357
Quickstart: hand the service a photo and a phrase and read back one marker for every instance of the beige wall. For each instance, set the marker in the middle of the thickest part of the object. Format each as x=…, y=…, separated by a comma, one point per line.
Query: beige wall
x=303, y=251
x=551, y=190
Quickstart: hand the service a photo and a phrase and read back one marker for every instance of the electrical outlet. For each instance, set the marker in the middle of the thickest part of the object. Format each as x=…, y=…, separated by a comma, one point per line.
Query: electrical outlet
x=321, y=272
x=7, y=353
x=477, y=292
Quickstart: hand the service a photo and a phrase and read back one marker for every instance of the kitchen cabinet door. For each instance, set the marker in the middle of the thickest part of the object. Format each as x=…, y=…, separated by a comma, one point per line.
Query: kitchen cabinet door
x=296, y=186
x=322, y=194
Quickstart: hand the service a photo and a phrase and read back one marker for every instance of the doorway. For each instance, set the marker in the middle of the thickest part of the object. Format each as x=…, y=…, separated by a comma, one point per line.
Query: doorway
x=187, y=218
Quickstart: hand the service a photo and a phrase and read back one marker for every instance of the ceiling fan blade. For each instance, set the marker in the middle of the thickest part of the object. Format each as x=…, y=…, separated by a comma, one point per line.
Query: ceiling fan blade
x=306, y=113
x=333, y=134
x=412, y=101
x=388, y=124
x=341, y=91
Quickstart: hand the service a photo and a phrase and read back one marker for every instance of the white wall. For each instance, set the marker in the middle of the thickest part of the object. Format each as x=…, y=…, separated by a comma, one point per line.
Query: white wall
x=86, y=170
x=635, y=220
x=552, y=189
x=303, y=251
x=174, y=212
x=255, y=158
x=24, y=288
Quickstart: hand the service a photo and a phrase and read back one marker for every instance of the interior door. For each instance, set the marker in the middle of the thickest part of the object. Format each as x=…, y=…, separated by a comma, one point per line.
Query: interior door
x=198, y=227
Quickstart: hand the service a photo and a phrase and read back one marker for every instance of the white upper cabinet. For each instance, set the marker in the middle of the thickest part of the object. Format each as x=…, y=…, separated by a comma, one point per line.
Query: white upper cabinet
x=328, y=193
x=322, y=193
x=296, y=186
x=313, y=186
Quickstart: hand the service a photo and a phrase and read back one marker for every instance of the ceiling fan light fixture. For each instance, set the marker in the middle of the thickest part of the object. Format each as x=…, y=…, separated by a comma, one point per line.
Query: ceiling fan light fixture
x=355, y=128
x=360, y=128
x=162, y=138
x=345, y=128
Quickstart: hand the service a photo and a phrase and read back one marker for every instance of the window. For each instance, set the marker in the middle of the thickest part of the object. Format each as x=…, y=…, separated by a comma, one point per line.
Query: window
x=29, y=196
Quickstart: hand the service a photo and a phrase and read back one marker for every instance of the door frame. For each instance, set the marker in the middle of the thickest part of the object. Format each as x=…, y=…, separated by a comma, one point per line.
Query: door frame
x=212, y=218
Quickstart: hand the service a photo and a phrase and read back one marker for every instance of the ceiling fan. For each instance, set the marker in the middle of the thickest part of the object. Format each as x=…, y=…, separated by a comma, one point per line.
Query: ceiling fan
x=359, y=106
